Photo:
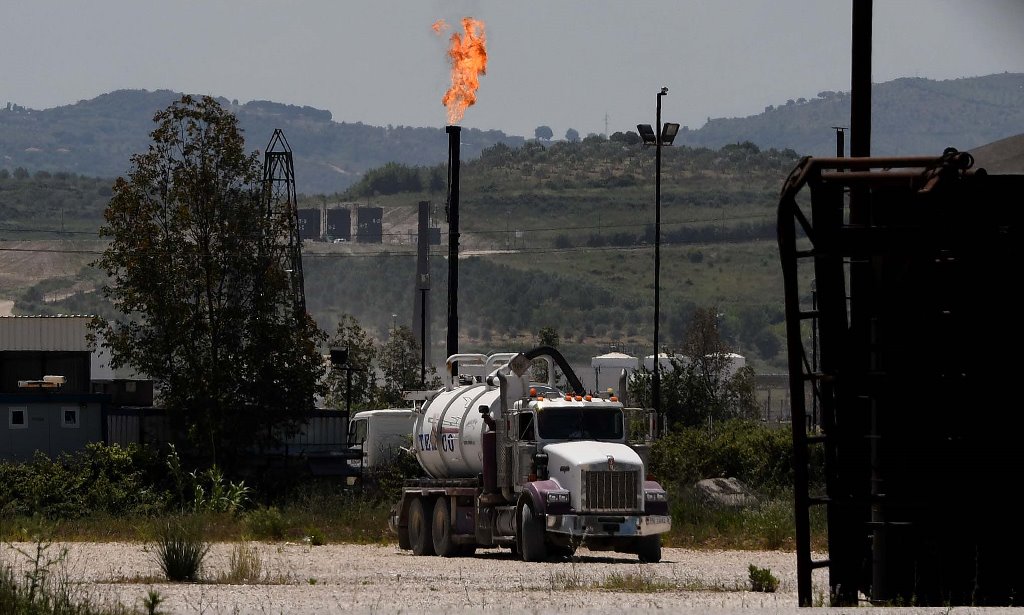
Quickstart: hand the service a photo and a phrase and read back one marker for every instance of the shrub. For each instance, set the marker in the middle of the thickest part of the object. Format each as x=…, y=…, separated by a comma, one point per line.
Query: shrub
x=758, y=455
x=266, y=523
x=180, y=551
x=315, y=537
x=118, y=480
x=206, y=491
x=245, y=565
x=762, y=580
x=386, y=480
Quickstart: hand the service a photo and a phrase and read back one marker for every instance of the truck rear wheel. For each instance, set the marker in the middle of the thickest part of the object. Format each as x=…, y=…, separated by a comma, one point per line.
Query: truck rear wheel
x=441, y=529
x=648, y=549
x=419, y=529
x=531, y=535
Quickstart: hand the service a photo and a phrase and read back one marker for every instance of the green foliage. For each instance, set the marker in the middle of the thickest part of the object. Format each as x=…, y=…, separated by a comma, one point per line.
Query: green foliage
x=400, y=367
x=643, y=581
x=392, y=178
x=315, y=537
x=547, y=336
x=762, y=580
x=69, y=207
x=205, y=490
x=152, y=601
x=359, y=372
x=380, y=373
x=700, y=387
x=767, y=524
x=758, y=455
x=265, y=523
x=385, y=481
x=213, y=493
x=108, y=479
x=190, y=250
x=180, y=550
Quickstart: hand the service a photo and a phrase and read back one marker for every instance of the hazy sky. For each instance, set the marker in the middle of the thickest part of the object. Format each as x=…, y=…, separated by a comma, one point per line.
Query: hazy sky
x=592, y=65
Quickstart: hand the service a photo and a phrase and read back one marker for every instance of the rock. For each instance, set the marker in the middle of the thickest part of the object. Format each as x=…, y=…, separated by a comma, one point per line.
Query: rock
x=726, y=492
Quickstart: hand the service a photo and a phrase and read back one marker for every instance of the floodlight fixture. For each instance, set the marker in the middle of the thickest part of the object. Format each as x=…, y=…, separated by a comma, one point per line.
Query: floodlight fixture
x=668, y=133
x=647, y=134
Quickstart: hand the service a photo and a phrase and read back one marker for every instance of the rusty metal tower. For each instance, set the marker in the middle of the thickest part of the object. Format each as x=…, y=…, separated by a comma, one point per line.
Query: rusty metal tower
x=279, y=188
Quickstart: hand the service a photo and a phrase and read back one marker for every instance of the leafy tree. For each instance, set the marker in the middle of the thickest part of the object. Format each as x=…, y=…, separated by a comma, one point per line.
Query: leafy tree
x=392, y=178
x=544, y=132
x=547, y=336
x=204, y=300
x=700, y=387
x=628, y=138
x=400, y=367
x=572, y=135
x=361, y=355
x=437, y=180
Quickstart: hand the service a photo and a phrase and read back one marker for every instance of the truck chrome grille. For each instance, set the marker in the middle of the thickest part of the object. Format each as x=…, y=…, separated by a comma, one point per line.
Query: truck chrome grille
x=610, y=490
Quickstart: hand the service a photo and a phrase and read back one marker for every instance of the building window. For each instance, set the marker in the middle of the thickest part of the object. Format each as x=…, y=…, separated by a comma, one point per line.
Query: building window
x=69, y=417
x=17, y=417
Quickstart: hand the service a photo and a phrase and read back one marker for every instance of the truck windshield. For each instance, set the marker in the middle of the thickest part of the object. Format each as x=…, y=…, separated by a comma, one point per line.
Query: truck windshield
x=357, y=432
x=580, y=424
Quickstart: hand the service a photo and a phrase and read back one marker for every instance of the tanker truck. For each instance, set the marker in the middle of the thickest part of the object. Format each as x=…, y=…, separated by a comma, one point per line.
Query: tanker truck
x=521, y=465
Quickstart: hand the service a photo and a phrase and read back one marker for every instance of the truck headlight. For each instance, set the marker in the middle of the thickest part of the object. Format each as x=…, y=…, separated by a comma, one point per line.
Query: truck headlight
x=655, y=496
x=557, y=497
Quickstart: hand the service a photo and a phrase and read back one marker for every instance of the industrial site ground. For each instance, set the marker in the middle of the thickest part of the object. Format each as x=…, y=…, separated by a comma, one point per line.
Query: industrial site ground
x=301, y=579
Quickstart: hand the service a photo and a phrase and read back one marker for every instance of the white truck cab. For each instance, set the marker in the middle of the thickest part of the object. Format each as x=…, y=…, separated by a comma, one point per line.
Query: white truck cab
x=376, y=437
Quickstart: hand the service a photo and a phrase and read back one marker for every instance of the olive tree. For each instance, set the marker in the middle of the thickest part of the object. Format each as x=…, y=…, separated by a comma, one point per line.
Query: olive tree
x=402, y=368
x=702, y=385
x=353, y=386
x=204, y=299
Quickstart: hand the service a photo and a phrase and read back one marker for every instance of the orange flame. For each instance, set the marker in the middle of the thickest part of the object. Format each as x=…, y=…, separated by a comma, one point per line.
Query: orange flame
x=468, y=55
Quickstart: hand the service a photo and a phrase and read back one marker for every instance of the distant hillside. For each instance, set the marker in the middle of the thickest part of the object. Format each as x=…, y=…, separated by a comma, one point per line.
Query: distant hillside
x=909, y=117
x=97, y=138
x=1005, y=156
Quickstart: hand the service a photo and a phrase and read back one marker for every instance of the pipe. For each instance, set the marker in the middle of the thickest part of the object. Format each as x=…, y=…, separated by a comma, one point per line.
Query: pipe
x=454, y=136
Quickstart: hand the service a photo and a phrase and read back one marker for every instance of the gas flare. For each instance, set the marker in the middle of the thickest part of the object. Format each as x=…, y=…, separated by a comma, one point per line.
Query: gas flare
x=468, y=55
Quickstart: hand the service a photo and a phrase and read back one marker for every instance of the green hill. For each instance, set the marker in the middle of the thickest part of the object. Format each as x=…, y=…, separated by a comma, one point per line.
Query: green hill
x=553, y=234
x=909, y=117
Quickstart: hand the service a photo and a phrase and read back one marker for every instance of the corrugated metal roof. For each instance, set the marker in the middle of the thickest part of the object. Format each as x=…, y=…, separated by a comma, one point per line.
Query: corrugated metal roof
x=47, y=333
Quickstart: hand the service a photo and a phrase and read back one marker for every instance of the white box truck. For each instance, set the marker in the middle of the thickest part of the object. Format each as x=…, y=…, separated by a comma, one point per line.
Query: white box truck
x=376, y=437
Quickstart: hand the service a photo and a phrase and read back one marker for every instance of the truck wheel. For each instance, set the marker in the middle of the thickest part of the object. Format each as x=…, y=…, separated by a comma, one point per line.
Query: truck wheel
x=531, y=535
x=648, y=549
x=441, y=529
x=419, y=529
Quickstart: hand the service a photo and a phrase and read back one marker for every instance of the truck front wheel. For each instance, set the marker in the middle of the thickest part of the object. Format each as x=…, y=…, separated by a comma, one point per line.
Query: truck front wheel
x=419, y=529
x=531, y=535
x=648, y=549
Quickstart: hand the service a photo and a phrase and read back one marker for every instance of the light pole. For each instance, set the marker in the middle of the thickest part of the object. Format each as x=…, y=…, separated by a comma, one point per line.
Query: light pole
x=658, y=137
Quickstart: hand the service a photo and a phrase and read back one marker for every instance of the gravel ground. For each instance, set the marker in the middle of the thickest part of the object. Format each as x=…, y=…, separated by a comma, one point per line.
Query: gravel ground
x=303, y=580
